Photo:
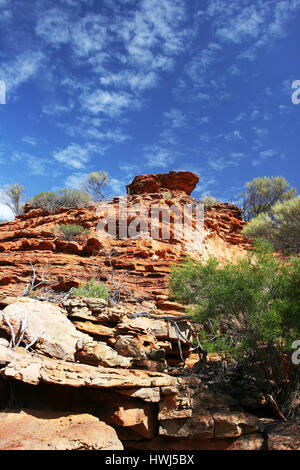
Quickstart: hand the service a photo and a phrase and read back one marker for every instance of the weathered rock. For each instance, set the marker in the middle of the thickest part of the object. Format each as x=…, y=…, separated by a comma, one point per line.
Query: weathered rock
x=33, y=430
x=34, y=370
x=99, y=354
x=253, y=441
x=46, y=324
x=150, y=394
x=94, y=329
x=141, y=420
x=93, y=309
x=143, y=262
x=283, y=435
x=234, y=424
x=175, y=180
x=198, y=427
x=141, y=347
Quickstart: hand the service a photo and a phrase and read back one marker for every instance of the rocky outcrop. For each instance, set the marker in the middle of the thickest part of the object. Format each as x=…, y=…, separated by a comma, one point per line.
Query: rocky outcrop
x=142, y=408
x=141, y=260
x=40, y=430
x=110, y=370
x=177, y=181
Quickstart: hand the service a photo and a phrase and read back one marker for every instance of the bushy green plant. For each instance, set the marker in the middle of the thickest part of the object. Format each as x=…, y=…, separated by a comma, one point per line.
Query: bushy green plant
x=45, y=200
x=281, y=226
x=251, y=308
x=73, y=198
x=263, y=193
x=69, y=231
x=92, y=289
x=50, y=201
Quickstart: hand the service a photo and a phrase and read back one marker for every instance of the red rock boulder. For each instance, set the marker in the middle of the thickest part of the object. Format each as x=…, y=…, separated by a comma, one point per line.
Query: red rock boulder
x=175, y=181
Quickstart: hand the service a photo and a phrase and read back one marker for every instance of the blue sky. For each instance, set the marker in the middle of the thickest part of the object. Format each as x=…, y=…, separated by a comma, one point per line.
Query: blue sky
x=148, y=86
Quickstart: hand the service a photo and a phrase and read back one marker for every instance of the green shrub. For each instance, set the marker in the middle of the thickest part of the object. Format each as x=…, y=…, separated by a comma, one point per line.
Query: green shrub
x=72, y=230
x=51, y=201
x=281, y=227
x=251, y=309
x=73, y=198
x=263, y=193
x=92, y=289
x=45, y=200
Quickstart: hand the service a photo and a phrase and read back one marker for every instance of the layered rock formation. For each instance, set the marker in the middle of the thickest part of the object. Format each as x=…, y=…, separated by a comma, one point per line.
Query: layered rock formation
x=85, y=373
x=141, y=248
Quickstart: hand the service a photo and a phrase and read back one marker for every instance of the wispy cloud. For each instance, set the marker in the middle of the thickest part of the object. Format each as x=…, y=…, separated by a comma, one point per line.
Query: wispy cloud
x=30, y=140
x=176, y=118
x=20, y=69
x=158, y=157
x=111, y=103
x=74, y=156
x=220, y=163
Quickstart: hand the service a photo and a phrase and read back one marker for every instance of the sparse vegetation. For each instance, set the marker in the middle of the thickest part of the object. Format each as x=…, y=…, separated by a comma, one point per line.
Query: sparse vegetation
x=92, y=289
x=208, y=201
x=51, y=201
x=70, y=231
x=263, y=193
x=251, y=310
x=95, y=183
x=167, y=195
x=281, y=226
x=13, y=198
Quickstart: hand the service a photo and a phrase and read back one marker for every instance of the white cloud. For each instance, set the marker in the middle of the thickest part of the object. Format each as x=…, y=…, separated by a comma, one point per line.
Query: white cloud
x=245, y=25
x=73, y=156
x=157, y=156
x=176, y=118
x=263, y=155
x=267, y=153
x=110, y=103
x=219, y=164
x=53, y=26
x=136, y=81
x=30, y=140
x=19, y=70
x=75, y=180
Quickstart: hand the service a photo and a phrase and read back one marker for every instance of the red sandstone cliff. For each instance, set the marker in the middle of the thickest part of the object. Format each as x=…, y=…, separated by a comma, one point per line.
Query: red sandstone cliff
x=142, y=263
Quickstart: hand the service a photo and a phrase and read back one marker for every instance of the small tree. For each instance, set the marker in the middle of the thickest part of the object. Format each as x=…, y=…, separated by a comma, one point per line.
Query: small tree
x=13, y=198
x=263, y=193
x=281, y=227
x=95, y=183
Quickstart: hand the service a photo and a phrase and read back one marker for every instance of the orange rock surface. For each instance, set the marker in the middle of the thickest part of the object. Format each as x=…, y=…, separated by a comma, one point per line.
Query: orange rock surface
x=141, y=263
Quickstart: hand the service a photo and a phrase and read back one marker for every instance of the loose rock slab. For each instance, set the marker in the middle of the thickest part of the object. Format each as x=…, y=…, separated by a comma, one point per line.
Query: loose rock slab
x=55, y=335
x=44, y=430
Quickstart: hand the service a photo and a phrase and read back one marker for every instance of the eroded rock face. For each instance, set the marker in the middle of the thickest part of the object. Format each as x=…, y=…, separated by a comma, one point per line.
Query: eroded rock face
x=40, y=430
x=141, y=263
x=284, y=436
x=46, y=326
x=184, y=181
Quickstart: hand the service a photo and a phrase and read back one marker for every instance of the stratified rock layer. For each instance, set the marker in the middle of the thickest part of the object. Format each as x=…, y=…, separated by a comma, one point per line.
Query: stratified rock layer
x=141, y=261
